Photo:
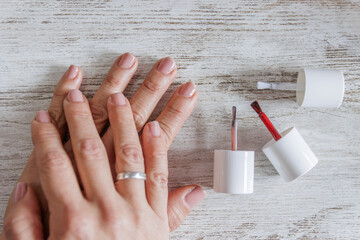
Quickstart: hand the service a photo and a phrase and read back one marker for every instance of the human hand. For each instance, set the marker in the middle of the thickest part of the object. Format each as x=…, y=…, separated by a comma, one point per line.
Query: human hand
x=144, y=101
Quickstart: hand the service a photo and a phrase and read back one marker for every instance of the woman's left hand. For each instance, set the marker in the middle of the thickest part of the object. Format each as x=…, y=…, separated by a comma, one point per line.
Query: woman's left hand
x=179, y=204
x=128, y=209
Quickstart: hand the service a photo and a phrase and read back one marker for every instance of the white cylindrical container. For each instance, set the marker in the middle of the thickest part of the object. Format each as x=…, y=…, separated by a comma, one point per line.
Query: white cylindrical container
x=320, y=88
x=290, y=155
x=233, y=171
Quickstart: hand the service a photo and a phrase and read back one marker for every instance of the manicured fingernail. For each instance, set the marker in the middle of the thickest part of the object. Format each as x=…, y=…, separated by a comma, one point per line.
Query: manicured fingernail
x=72, y=72
x=166, y=65
x=75, y=96
x=154, y=128
x=42, y=116
x=20, y=191
x=118, y=99
x=195, y=196
x=188, y=89
x=126, y=61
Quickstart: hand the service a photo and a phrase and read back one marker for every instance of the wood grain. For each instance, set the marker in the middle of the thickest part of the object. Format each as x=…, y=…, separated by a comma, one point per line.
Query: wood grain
x=225, y=47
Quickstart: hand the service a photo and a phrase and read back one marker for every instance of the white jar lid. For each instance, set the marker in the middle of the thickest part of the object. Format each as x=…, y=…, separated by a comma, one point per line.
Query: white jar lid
x=233, y=171
x=290, y=155
x=320, y=88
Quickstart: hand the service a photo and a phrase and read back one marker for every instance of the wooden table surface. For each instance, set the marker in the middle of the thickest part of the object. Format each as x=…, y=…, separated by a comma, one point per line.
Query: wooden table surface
x=224, y=47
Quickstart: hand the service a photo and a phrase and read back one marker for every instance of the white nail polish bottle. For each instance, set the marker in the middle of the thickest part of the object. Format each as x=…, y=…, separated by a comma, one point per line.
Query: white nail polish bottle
x=287, y=151
x=233, y=170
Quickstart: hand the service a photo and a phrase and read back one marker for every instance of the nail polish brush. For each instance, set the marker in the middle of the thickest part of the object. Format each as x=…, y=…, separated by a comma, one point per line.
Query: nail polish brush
x=255, y=105
x=233, y=169
x=234, y=130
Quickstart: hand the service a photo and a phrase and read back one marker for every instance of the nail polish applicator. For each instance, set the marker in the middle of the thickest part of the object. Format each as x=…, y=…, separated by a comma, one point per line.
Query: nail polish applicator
x=288, y=152
x=233, y=169
x=314, y=88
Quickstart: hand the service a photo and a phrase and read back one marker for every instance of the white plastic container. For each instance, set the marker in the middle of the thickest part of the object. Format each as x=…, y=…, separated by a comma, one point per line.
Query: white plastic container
x=314, y=88
x=233, y=171
x=320, y=88
x=290, y=155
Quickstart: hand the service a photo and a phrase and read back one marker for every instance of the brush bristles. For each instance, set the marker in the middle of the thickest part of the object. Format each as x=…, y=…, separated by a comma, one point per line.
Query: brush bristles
x=255, y=105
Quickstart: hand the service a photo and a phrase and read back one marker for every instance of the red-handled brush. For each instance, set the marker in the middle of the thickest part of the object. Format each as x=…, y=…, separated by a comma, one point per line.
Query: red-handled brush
x=255, y=105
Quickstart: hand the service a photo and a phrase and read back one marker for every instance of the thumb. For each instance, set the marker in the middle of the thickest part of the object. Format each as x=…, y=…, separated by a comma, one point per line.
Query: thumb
x=23, y=221
x=180, y=203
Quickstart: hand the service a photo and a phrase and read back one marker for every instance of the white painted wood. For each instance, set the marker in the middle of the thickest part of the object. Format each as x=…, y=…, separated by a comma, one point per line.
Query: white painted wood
x=225, y=47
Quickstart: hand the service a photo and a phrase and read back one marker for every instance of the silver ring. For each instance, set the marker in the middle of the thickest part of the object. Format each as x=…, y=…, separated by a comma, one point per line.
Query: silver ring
x=131, y=175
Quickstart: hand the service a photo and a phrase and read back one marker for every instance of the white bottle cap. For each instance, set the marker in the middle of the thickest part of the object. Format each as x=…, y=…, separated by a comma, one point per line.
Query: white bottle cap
x=320, y=88
x=290, y=155
x=233, y=171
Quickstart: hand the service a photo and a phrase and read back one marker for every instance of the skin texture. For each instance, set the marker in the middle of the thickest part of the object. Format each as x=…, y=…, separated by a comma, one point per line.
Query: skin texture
x=141, y=105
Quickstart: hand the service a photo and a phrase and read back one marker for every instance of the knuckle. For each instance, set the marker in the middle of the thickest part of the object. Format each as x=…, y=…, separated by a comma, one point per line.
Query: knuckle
x=176, y=112
x=139, y=118
x=168, y=131
x=79, y=114
x=112, y=80
x=78, y=226
x=90, y=148
x=20, y=225
x=159, y=179
x=151, y=85
x=57, y=113
x=130, y=154
x=112, y=219
x=54, y=160
x=98, y=112
x=45, y=132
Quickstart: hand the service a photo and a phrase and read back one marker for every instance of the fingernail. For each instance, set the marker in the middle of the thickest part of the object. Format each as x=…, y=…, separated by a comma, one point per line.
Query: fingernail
x=154, y=128
x=127, y=60
x=42, y=116
x=166, y=65
x=20, y=191
x=187, y=90
x=72, y=72
x=118, y=99
x=75, y=96
x=195, y=196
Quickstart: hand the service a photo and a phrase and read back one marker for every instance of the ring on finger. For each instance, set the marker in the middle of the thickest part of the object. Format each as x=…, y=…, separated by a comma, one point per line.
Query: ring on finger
x=131, y=175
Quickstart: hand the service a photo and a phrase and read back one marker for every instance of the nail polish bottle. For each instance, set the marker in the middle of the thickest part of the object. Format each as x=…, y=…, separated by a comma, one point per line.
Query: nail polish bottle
x=233, y=169
x=288, y=152
x=314, y=88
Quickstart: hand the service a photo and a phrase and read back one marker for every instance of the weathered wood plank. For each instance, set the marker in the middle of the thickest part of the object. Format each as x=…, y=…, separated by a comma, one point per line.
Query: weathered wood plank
x=224, y=47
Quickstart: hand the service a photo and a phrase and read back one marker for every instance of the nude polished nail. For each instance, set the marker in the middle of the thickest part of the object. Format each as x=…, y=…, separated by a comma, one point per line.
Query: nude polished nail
x=42, y=116
x=72, y=72
x=75, y=96
x=126, y=61
x=20, y=191
x=118, y=99
x=166, y=66
x=187, y=90
x=195, y=196
x=154, y=128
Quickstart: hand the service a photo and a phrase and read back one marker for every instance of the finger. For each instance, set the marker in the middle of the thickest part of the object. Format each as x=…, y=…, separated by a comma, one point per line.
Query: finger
x=23, y=221
x=129, y=157
x=70, y=80
x=117, y=79
x=56, y=173
x=89, y=151
x=151, y=90
x=177, y=110
x=148, y=95
x=156, y=165
x=180, y=203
